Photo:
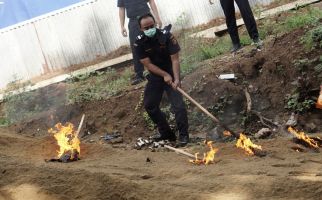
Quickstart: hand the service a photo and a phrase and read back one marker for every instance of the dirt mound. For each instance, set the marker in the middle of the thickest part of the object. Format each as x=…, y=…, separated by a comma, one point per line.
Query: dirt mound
x=270, y=76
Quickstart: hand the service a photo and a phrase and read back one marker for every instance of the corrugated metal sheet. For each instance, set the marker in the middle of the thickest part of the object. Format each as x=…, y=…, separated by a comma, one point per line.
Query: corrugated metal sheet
x=81, y=33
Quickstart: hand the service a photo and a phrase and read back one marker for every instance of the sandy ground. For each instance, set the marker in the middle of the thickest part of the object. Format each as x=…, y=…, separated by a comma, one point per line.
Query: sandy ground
x=122, y=173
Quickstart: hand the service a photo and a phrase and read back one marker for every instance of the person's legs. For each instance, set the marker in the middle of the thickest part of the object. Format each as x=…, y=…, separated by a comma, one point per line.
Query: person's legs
x=249, y=20
x=229, y=11
x=180, y=112
x=134, y=31
x=152, y=98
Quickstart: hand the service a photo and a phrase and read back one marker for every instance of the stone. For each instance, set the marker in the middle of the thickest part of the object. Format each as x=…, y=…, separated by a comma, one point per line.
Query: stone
x=263, y=133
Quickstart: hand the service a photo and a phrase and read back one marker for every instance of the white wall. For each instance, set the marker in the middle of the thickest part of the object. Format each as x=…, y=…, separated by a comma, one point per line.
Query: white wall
x=80, y=33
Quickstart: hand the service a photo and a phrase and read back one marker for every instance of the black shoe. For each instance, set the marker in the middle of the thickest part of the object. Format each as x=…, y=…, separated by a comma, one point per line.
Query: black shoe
x=235, y=48
x=183, y=140
x=258, y=43
x=158, y=138
x=137, y=80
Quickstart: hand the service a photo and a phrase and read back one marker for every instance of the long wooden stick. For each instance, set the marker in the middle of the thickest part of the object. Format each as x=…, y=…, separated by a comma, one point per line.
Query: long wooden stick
x=80, y=125
x=179, y=151
x=206, y=112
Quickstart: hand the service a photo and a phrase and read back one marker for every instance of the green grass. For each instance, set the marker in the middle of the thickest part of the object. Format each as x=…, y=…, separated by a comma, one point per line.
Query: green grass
x=4, y=122
x=302, y=19
x=313, y=38
x=22, y=106
x=98, y=87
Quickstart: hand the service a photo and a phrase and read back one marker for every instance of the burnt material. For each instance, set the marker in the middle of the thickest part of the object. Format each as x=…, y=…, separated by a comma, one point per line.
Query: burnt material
x=65, y=158
x=307, y=145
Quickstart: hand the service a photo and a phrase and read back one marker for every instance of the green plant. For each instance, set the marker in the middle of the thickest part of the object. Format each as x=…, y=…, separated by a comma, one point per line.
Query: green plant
x=313, y=38
x=301, y=64
x=220, y=105
x=97, y=86
x=21, y=106
x=300, y=20
x=245, y=40
x=4, y=122
x=295, y=104
x=217, y=48
x=198, y=119
x=148, y=121
x=140, y=103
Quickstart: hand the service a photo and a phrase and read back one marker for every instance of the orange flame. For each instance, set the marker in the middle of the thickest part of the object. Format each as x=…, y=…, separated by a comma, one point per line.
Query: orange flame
x=245, y=143
x=66, y=139
x=304, y=137
x=208, y=157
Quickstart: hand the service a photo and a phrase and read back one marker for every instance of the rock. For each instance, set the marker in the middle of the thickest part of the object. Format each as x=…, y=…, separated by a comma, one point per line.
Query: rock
x=292, y=120
x=263, y=133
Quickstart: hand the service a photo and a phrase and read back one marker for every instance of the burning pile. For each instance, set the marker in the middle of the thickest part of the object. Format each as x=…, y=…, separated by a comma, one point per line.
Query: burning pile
x=301, y=136
x=245, y=143
x=68, y=142
x=207, y=157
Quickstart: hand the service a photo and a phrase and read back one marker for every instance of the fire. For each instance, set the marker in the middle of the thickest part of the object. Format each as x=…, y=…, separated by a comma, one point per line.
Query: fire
x=208, y=157
x=245, y=143
x=304, y=137
x=67, y=140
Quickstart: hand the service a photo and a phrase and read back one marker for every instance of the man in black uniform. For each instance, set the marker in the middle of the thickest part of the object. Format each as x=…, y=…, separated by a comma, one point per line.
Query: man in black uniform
x=249, y=20
x=158, y=50
x=134, y=9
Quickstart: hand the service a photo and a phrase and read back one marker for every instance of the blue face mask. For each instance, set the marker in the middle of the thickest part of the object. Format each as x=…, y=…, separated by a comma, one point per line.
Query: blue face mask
x=150, y=32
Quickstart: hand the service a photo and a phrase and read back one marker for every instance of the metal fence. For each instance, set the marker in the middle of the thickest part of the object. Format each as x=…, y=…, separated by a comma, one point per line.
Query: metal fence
x=81, y=33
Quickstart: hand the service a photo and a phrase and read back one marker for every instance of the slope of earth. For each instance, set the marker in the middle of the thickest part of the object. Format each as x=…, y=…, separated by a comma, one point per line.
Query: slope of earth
x=270, y=76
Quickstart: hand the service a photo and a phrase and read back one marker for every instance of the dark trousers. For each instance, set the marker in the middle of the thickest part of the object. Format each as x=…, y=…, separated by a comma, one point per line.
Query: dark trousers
x=247, y=15
x=134, y=31
x=152, y=98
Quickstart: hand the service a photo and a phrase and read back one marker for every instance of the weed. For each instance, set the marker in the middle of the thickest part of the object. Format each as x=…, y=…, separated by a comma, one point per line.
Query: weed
x=98, y=86
x=295, y=104
x=220, y=105
x=219, y=47
x=313, y=38
x=21, y=106
x=4, y=122
x=140, y=103
x=198, y=119
x=148, y=121
x=301, y=20
x=245, y=40
x=302, y=64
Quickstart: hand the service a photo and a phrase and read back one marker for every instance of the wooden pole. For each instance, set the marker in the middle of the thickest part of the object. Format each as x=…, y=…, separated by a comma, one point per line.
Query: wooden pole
x=80, y=125
x=180, y=151
x=206, y=112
